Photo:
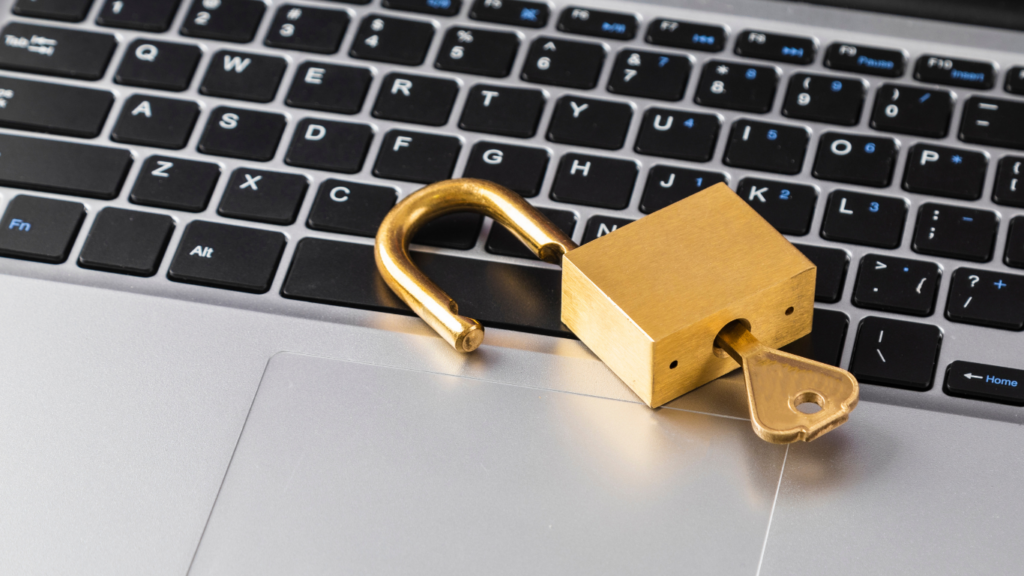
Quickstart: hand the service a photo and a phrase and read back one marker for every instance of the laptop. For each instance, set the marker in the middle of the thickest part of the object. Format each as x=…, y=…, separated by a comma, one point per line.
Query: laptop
x=202, y=372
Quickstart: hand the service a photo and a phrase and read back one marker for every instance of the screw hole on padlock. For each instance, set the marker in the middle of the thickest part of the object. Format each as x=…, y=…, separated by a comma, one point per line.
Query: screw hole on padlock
x=789, y=311
x=715, y=348
x=808, y=402
x=673, y=364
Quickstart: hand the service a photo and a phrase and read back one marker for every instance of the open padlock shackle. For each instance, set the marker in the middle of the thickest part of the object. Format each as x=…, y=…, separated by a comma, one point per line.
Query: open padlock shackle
x=429, y=302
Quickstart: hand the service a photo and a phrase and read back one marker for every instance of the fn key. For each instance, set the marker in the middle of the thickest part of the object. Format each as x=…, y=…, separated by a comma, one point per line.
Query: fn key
x=226, y=256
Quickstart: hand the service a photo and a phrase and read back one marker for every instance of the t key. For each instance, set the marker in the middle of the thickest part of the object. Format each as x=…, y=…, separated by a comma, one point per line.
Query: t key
x=855, y=159
x=986, y=298
x=897, y=285
x=768, y=147
x=502, y=110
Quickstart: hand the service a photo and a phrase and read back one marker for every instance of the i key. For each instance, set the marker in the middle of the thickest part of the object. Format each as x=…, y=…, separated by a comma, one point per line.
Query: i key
x=912, y=110
x=649, y=75
x=588, y=122
x=563, y=63
x=151, y=15
x=955, y=232
x=502, y=110
x=897, y=285
x=824, y=99
x=668, y=185
x=231, y=20
x=55, y=51
x=396, y=40
x=678, y=134
x=419, y=99
x=737, y=86
x=864, y=219
x=308, y=29
x=768, y=147
x=161, y=65
x=787, y=207
x=945, y=171
x=855, y=159
x=243, y=76
x=986, y=298
x=475, y=51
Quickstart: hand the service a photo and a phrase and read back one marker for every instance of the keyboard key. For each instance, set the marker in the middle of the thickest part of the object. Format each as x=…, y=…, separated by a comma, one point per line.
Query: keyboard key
x=514, y=12
x=307, y=29
x=855, y=159
x=502, y=110
x=985, y=382
x=832, y=264
x=418, y=99
x=896, y=353
x=243, y=76
x=39, y=228
x=588, y=122
x=152, y=15
x=788, y=207
x=825, y=342
x=864, y=219
x=458, y=231
x=501, y=241
x=594, y=181
x=517, y=168
x=993, y=121
x=394, y=40
x=62, y=167
x=955, y=232
x=649, y=75
x=865, y=59
x=350, y=207
x=769, y=46
x=231, y=20
x=161, y=65
x=152, y=121
x=1015, y=243
x=563, y=63
x=824, y=99
x=686, y=35
x=955, y=72
x=55, y=51
x=1015, y=80
x=241, y=133
x=53, y=108
x=263, y=196
x=416, y=157
x=668, y=185
x=765, y=146
x=67, y=10
x=986, y=298
x=576, y=20
x=436, y=7
x=329, y=145
x=1009, y=186
x=329, y=87
x=475, y=51
x=226, y=256
x=175, y=183
x=126, y=242
x=911, y=110
x=737, y=86
x=897, y=285
x=945, y=171
x=598, y=226
x=678, y=134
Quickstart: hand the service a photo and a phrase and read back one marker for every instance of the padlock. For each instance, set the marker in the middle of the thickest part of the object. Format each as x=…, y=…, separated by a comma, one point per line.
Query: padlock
x=669, y=302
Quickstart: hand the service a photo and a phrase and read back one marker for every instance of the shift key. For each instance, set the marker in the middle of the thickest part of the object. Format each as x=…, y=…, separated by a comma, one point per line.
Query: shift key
x=223, y=256
x=55, y=51
x=62, y=167
x=984, y=382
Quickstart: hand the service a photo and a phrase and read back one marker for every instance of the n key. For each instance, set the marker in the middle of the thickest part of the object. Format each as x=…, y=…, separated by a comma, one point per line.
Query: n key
x=986, y=298
x=243, y=76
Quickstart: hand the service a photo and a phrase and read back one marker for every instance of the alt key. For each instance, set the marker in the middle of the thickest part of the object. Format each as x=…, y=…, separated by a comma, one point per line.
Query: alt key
x=985, y=382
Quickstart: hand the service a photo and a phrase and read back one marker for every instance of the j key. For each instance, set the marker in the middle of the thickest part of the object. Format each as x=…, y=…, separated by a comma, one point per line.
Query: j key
x=686, y=35
x=126, y=242
x=911, y=110
x=786, y=206
x=68, y=10
x=416, y=157
x=825, y=343
x=307, y=29
x=587, y=122
x=856, y=159
x=832, y=264
x=768, y=46
x=598, y=226
x=594, y=181
x=394, y=40
x=350, y=207
x=53, y=108
x=175, y=183
x=986, y=298
x=824, y=99
x=768, y=147
x=226, y=256
x=1009, y=186
x=650, y=75
x=329, y=87
x=152, y=15
x=515, y=167
x=992, y=121
x=1015, y=243
x=563, y=63
x=62, y=167
x=502, y=110
x=615, y=25
x=678, y=134
x=39, y=228
x=329, y=145
x=477, y=51
x=152, y=121
x=985, y=382
x=262, y=196
x=955, y=72
x=945, y=171
x=865, y=59
x=161, y=65
x=437, y=7
x=55, y=51
x=1015, y=80
x=243, y=76
x=514, y=12
x=668, y=185
x=458, y=231
x=864, y=219
x=897, y=285
x=737, y=86
x=242, y=133
x=419, y=99
x=955, y=232
x=231, y=20
x=896, y=353
x=501, y=241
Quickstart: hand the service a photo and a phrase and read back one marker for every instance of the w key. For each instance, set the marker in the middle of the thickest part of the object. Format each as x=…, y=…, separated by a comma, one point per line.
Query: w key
x=243, y=76
x=897, y=285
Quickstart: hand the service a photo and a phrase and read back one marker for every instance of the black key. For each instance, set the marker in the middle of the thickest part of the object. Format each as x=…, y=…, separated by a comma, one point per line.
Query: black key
x=912, y=110
x=476, y=51
x=832, y=264
x=864, y=219
x=649, y=74
x=226, y=256
x=231, y=20
x=53, y=108
x=392, y=40
x=897, y=285
x=986, y=298
x=62, y=167
x=1015, y=80
x=350, y=207
x=865, y=59
x=55, y=51
x=824, y=99
x=668, y=185
x=261, y=196
x=126, y=242
x=152, y=121
x=242, y=133
x=786, y=206
x=770, y=46
x=737, y=86
x=687, y=35
x=416, y=157
x=825, y=342
x=152, y=15
x=563, y=63
x=161, y=65
x=329, y=87
x=588, y=122
x=985, y=382
x=942, y=171
x=436, y=7
x=243, y=76
x=955, y=232
x=856, y=159
x=594, y=181
x=515, y=167
x=502, y=110
x=307, y=29
x=514, y=12
x=896, y=353
x=329, y=145
x=39, y=228
x=67, y=10
x=458, y=231
x=768, y=147
x=993, y=121
x=501, y=241
x=1015, y=243
x=599, y=226
x=175, y=183
x=577, y=20
x=1009, y=186
x=418, y=99
x=678, y=134
x=955, y=71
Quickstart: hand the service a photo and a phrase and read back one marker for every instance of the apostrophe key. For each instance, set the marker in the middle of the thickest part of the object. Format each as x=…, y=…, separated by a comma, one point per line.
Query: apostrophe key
x=475, y=51
x=55, y=51
x=678, y=134
x=307, y=29
x=329, y=87
x=993, y=121
x=435, y=7
x=242, y=133
x=788, y=207
x=1015, y=243
x=416, y=157
x=67, y=10
x=896, y=353
x=737, y=86
x=39, y=229
x=502, y=110
x=855, y=159
x=230, y=20
x=175, y=183
x=329, y=145
x=942, y=171
x=262, y=196
x=955, y=232
x=225, y=256
x=517, y=168
x=152, y=121
x=955, y=72
x=126, y=241
x=832, y=264
x=865, y=59
x=514, y=12
x=243, y=76
x=912, y=110
x=649, y=75
x=563, y=63
x=594, y=181
x=985, y=382
x=1009, y=186
x=764, y=146
x=688, y=35
x=417, y=99
x=864, y=219
x=668, y=185
x=63, y=167
x=590, y=122
x=986, y=298
x=897, y=285
x=824, y=99
x=53, y=108
x=161, y=65
x=395, y=40
x=577, y=20
x=501, y=241
x=350, y=207
x=769, y=46
x=151, y=15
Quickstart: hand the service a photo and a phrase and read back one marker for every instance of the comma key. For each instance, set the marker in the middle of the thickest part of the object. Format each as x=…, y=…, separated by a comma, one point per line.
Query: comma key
x=986, y=298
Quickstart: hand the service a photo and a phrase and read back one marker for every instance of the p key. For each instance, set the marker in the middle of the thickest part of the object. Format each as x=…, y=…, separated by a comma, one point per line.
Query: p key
x=942, y=171
x=986, y=298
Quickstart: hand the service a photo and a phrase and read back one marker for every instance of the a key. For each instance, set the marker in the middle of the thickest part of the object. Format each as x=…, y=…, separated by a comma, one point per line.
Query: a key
x=162, y=65
x=1009, y=186
x=329, y=145
x=457, y=231
x=395, y=40
x=779, y=47
x=307, y=29
x=417, y=99
x=678, y=134
x=53, y=108
x=436, y=7
x=230, y=20
x=985, y=382
x=896, y=353
x=416, y=157
x=649, y=75
x=243, y=76
x=262, y=196
x=39, y=229
x=942, y=171
x=514, y=12
x=175, y=183
x=668, y=185
x=62, y=167
x=242, y=133
x=955, y=232
x=824, y=99
x=350, y=207
x=737, y=86
x=126, y=242
x=865, y=59
x=594, y=181
x=563, y=63
x=832, y=264
x=986, y=298
x=825, y=343
x=329, y=87
x=579, y=20
x=993, y=121
x=67, y=10
x=955, y=72
x=897, y=285
x=151, y=15
x=764, y=146
x=856, y=159
x=476, y=51
x=590, y=122
x=788, y=207
x=55, y=51
x=501, y=241
x=1014, y=80
x=912, y=110
x=152, y=121
x=517, y=168
x=598, y=226
x=1015, y=243
x=687, y=35
x=864, y=219
x=502, y=110
x=225, y=256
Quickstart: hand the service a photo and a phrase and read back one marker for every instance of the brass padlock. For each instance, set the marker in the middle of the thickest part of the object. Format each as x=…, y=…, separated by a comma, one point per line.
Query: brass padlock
x=669, y=302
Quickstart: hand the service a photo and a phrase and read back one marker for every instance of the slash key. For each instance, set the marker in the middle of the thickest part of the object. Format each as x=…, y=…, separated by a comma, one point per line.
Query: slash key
x=986, y=298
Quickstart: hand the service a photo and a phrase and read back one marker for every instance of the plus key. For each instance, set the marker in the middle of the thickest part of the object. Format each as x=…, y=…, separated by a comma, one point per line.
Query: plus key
x=986, y=298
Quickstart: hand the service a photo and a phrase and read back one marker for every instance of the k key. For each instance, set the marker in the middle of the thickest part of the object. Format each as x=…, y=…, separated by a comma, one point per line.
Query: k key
x=986, y=298
x=502, y=110
x=737, y=86
x=945, y=171
x=824, y=99
x=897, y=285
x=231, y=20
x=768, y=147
x=678, y=134
x=668, y=185
x=649, y=75
x=955, y=232
x=587, y=122
x=243, y=76
x=912, y=110
x=864, y=219
x=787, y=207
x=855, y=159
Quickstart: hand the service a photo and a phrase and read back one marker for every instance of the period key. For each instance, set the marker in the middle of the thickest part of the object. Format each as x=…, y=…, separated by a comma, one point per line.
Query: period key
x=985, y=382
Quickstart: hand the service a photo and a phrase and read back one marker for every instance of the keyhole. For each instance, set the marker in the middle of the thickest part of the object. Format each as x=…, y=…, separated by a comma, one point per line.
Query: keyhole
x=808, y=402
x=674, y=364
x=789, y=311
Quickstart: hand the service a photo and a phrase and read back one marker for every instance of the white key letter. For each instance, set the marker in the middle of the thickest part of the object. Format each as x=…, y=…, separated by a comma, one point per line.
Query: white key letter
x=576, y=108
x=315, y=76
x=401, y=85
x=315, y=132
x=401, y=142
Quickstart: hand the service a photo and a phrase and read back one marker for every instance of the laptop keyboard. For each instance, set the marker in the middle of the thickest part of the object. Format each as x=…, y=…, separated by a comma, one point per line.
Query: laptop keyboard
x=256, y=147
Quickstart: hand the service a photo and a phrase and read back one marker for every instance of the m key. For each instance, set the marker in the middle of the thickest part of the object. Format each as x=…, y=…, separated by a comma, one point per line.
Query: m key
x=897, y=285
x=986, y=298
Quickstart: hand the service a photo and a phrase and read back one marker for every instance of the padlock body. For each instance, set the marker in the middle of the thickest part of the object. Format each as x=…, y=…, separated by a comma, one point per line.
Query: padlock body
x=649, y=298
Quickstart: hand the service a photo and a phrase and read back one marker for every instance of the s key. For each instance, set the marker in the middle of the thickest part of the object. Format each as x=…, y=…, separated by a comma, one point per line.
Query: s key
x=912, y=110
x=855, y=159
x=986, y=298
x=897, y=285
